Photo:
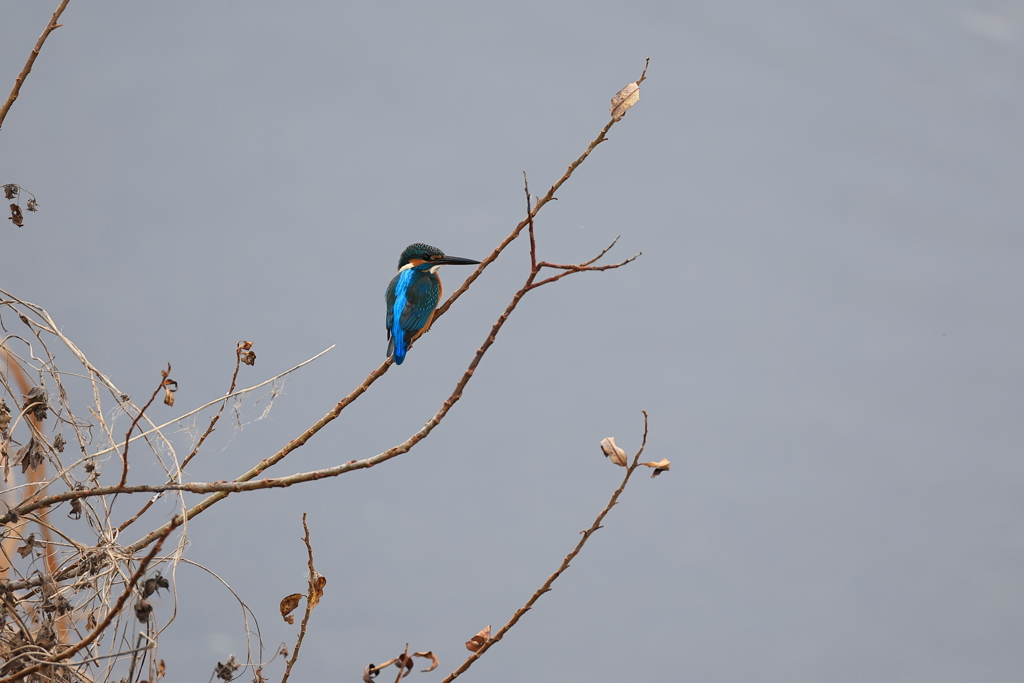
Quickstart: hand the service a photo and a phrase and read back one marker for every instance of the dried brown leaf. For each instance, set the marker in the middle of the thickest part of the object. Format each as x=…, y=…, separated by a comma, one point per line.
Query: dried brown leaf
x=477, y=641
x=288, y=606
x=369, y=673
x=11, y=190
x=30, y=543
x=624, y=99
x=29, y=456
x=35, y=402
x=16, y=216
x=226, y=671
x=142, y=610
x=613, y=452
x=153, y=585
x=5, y=418
x=318, y=590
x=659, y=467
x=434, y=662
x=161, y=669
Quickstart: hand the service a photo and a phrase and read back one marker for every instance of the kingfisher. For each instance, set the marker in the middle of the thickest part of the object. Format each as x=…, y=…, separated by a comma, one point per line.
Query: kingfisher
x=413, y=294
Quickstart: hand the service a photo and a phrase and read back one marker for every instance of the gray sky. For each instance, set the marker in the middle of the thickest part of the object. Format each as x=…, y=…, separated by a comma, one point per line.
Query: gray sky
x=825, y=326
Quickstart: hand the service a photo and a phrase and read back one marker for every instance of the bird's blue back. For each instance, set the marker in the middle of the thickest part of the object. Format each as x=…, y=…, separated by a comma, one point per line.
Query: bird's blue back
x=411, y=297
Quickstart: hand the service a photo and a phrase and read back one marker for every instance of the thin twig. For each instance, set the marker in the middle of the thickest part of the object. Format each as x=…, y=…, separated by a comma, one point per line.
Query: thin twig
x=529, y=217
x=164, y=378
x=561, y=568
x=311, y=601
x=209, y=430
x=214, y=402
x=31, y=60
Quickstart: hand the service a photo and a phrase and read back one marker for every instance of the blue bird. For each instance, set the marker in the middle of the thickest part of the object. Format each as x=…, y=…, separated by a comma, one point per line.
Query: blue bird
x=413, y=294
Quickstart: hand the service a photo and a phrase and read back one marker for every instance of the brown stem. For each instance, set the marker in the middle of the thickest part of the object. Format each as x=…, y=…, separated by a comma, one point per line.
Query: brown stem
x=31, y=60
x=561, y=568
x=310, y=603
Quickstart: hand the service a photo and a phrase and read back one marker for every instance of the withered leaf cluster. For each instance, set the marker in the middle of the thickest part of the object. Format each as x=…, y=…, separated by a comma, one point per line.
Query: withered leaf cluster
x=618, y=457
x=153, y=585
x=403, y=661
x=29, y=456
x=227, y=670
x=169, y=386
x=13, y=191
x=245, y=353
x=291, y=602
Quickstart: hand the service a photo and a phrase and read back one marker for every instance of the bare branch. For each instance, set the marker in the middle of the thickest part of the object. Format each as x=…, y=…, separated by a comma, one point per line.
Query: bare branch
x=311, y=600
x=31, y=60
x=561, y=568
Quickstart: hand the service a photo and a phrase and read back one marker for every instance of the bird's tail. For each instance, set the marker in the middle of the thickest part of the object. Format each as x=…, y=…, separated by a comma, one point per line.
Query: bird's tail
x=396, y=351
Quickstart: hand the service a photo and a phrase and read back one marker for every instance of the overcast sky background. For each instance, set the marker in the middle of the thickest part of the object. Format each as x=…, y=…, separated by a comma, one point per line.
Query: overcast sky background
x=825, y=325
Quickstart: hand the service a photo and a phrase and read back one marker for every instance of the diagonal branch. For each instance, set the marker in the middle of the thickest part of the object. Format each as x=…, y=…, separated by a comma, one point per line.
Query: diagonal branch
x=558, y=572
x=31, y=60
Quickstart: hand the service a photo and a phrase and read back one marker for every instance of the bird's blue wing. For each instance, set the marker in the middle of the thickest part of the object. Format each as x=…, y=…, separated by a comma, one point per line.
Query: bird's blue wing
x=412, y=297
x=420, y=301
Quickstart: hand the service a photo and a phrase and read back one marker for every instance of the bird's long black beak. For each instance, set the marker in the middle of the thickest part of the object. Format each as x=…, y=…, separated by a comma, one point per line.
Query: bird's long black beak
x=454, y=261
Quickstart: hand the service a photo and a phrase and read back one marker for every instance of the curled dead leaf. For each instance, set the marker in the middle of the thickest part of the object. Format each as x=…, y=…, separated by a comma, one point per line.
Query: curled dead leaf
x=434, y=662
x=624, y=99
x=30, y=543
x=226, y=671
x=169, y=385
x=35, y=402
x=613, y=452
x=477, y=641
x=142, y=610
x=30, y=456
x=288, y=606
x=659, y=467
x=318, y=590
